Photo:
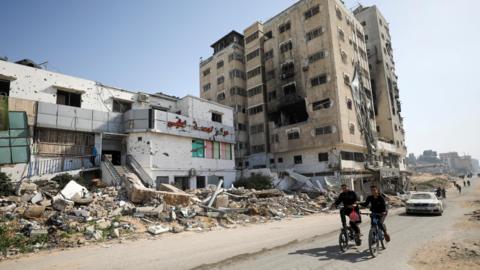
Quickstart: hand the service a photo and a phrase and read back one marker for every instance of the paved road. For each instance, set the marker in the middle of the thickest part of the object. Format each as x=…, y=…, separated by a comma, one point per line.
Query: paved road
x=408, y=234
x=305, y=243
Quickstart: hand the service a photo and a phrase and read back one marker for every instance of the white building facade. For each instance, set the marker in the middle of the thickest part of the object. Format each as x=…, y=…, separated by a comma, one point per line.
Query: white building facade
x=73, y=122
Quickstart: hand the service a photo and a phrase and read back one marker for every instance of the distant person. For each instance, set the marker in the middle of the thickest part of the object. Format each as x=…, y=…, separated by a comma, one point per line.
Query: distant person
x=468, y=182
x=459, y=188
x=464, y=183
x=444, y=193
x=414, y=188
x=93, y=158
x=438, y=192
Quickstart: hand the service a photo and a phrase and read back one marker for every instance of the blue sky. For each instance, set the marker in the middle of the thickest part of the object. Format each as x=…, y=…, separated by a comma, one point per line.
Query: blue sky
x=156, y=46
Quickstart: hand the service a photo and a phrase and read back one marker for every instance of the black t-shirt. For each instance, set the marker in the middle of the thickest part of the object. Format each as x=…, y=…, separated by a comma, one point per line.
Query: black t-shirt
x=347, y=198
x=377, y=205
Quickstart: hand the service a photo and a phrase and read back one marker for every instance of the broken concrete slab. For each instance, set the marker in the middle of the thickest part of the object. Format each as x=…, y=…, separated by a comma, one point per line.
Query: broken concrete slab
x=72, y=189
x=34, y=211
x=158, y=229
x=221, y=201
x=37, y=198
x=61, y=204
x=138, y=193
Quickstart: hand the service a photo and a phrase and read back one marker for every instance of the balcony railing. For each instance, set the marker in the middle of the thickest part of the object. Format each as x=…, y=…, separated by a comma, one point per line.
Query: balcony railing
x=43, y=166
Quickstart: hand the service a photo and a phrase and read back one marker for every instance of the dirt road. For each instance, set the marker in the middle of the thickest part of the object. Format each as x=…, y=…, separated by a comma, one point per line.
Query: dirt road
x=304, y=243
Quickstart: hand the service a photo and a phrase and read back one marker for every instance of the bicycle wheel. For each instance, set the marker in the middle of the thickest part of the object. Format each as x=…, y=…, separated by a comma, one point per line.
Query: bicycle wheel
x=343, y=240
x=373, y=242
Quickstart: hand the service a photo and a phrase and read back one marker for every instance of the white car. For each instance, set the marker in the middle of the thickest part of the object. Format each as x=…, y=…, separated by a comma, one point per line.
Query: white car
x=424, y=202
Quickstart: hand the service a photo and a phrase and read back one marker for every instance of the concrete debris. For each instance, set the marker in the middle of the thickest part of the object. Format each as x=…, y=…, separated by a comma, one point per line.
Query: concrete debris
x=37, y=198
x=73, y=189
x=158, y=229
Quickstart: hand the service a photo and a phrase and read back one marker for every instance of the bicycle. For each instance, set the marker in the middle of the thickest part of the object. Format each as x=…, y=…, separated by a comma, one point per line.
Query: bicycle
x=376, y=236
x=347, y=234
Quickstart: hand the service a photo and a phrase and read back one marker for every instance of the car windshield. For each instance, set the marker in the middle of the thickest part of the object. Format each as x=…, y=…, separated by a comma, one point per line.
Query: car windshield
x=421, y=196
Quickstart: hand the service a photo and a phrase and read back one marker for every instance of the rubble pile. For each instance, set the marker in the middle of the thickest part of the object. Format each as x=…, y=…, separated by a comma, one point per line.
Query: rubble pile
x=43, y=216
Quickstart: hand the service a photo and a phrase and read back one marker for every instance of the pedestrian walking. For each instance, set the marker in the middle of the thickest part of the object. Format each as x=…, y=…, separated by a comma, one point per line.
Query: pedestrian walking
x=444, y=193
x=459, y=188
x=468, y=182
x=464, y=183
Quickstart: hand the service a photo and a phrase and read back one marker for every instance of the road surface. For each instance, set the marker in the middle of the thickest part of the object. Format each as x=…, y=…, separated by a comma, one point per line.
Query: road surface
x=297, y=243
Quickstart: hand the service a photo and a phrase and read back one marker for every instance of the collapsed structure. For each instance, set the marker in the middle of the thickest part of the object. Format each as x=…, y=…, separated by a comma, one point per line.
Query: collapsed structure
x=315, y=96
x=59, y=123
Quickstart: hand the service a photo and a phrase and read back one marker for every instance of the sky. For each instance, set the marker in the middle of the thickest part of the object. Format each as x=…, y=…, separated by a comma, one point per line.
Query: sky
x=156, y=46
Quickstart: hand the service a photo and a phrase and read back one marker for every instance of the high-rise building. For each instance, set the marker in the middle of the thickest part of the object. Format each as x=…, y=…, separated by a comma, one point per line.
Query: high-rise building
x=306, y=103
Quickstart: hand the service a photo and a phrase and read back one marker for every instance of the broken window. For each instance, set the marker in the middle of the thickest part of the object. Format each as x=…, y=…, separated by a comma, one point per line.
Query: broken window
x=322, y=157
x=284, y=27
x=293, y=135
x=238, y=91
x=269, y=34
x=314, y=33
x=258, y=148
x=241, y=126
x=288, y=71
x=316, y=56
x=254, y=72
x=346, y=79
x=255, y=91
x=216, y=117
x=251, y=38
x=289, y=89
x=297, y=159
x=253, y=54
x=4, y=88
x=318, y=80
x=206, y=72
x=286, y=46
x=269, y=55
x=270, y=75
x=69, y=98
x=206, y=87
x=254, y=129
x=280, y=160
x=220, y=97
x=351, y=128
x=236, y=56
x=323, y=130
x=121, y=106
x=349, y=104
x=237, y=74
x=255, y=110
x=220, y=64
x=322, y=104
x=220, y=80
x=272, y=95
x=341, y=34
x=311, y=12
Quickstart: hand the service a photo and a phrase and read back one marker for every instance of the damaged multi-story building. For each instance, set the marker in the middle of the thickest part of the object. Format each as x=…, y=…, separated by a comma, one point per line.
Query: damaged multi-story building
x=59, y=123
x=311, y=95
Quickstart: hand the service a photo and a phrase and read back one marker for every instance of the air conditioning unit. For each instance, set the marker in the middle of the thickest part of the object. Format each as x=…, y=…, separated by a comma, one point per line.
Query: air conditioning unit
x=142, y=98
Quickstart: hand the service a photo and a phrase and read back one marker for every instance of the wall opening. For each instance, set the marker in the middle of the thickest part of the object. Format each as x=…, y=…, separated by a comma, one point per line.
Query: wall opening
x=69, y=99
x=4, y=88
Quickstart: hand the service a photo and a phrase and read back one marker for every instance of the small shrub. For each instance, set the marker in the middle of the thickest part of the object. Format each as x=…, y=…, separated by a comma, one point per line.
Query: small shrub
x=6, y=186
x=63, y=179
x=255, y=181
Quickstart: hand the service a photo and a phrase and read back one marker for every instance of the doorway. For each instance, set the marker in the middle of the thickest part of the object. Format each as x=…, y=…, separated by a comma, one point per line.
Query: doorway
x=182, y=182
x=201, y=182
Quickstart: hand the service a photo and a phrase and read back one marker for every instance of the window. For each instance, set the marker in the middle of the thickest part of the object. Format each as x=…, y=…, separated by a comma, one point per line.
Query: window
x=255, y=91
x=269, y=55
x=241, y=127
x=322, y=157
x=269, y=34
x=347, y=155
x=288, y=70
x=254, y=72
x=220, y=80
x=289, y=89
x=323, y=130
x=255, y=129
x=206, y=72
x=14, y=142
x=235, y=56
x=297, y=159
x=311, y=12
x=272, y=95
x=237, y=74
x=206, y=87
x=272, y=161
x=346, y=79
x=216, y=117
x=351, y=128
x=208, y=149
x=293, y=135
x=4, y=88
x=341, y=34
x=121, y=106
x=318, y=80
x=221, y=97
x=216, y=150
x=364, y=23
x=237, y=91
x=270, y=75
x=274, y=138
x=69, y=98
x=284, y=27
x=253, y=54
x=280, y=160
x=286, y=46
x=220, y=64
x=344, y=56
x=322, y=104
x=314, y=33
x=251, y=38
x=255, y=110
x=349, y=104
x=198, y=149
x=339, y=13
x=316, y=56
x=258, y=148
